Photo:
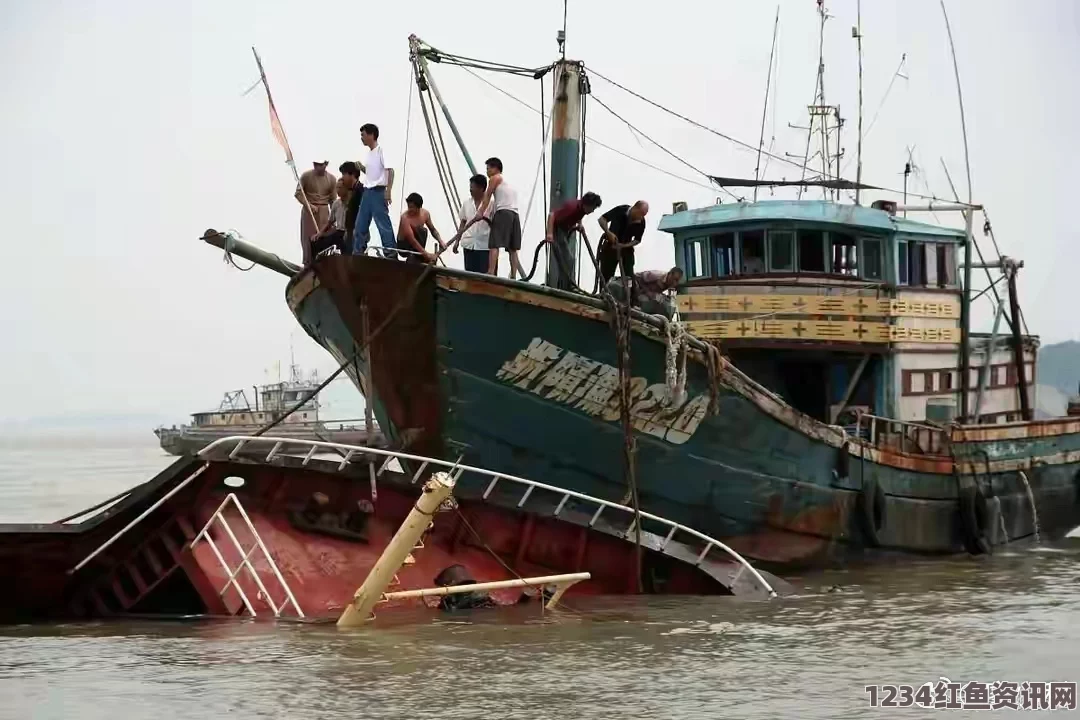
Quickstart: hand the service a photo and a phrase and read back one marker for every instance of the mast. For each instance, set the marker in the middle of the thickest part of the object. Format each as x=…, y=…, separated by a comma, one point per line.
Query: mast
x=1010, y=267
x=765, y=108
x=565, y=156
x=857, y=32
x=965, y=297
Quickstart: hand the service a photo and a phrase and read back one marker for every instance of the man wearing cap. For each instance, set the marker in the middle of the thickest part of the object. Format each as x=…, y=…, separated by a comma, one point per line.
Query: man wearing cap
x=317, y=187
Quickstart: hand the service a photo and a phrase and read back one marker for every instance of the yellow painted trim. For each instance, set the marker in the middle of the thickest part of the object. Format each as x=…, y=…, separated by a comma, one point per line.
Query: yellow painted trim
x=840, y=331
x=849, y=305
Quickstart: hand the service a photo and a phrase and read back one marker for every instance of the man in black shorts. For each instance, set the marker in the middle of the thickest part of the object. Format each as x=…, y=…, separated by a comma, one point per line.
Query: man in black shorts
x=505, y=223
x=623, y=226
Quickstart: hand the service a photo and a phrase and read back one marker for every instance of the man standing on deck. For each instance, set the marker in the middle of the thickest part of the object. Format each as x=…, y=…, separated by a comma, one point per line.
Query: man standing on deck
x=566, y=219
x=350, y=178
x=623, y=226
x=474, y=241
x=319, y=188
x=505, y=223
x=375, y=202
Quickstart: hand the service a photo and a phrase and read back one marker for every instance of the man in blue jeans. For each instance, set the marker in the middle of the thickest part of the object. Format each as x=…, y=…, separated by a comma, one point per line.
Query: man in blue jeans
x=374, y=205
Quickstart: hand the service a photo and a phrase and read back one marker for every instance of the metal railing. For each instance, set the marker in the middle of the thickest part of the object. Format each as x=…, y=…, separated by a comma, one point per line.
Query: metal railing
x=887, y=433
x=245, y=560
x=457, y=469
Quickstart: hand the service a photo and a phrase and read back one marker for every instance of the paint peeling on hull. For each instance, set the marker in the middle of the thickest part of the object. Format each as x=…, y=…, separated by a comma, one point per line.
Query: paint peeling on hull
x=724, y=479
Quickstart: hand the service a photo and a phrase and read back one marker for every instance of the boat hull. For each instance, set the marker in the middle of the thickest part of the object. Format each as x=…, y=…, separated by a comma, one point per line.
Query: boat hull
x=520, y=379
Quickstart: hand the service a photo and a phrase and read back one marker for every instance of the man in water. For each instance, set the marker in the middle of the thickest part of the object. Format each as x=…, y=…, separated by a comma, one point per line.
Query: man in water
x=566, y=219
x=623, y=226
x=474, y=241
x=317, y=186
x=378, y=194
x=505, y=223
x=413, y=231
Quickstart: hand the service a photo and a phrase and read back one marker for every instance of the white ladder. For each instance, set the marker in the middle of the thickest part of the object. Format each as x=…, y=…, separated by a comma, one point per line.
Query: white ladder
x=245, y=560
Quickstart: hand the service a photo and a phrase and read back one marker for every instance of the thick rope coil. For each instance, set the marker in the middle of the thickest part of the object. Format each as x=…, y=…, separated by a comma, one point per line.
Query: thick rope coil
x=675, y=366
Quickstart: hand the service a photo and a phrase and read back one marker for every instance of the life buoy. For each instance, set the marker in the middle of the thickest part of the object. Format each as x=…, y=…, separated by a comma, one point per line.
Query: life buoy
x=871, y=511
x=975, y=519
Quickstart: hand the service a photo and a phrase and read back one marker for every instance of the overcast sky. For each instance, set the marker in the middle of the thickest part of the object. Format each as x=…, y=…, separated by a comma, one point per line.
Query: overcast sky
x=125, y=135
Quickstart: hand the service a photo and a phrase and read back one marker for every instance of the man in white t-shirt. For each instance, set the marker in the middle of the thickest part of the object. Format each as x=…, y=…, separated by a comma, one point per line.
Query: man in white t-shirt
x=375, y=203
x=474, y=241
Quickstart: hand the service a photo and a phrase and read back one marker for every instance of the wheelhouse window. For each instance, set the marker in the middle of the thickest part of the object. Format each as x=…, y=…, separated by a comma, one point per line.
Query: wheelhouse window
x=811, y=251
x=781, y=251
x=902, y=262
x=926, y=264
x=946, y=265
x=871, y=256
x=723, y=247
x=845, y=259
x=753, y=252
x=696, y=257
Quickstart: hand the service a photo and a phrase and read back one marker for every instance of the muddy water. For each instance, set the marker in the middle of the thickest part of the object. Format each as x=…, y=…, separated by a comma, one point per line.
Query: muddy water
x=1013, y=617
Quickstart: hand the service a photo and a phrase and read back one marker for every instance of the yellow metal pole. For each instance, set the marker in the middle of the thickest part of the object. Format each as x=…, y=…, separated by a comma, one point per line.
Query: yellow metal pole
x=358, y=612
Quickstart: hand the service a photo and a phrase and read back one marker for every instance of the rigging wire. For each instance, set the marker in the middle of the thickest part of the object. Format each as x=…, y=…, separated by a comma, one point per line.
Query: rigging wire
x=408, y=129
x=543, y=160
x=594, y=140
x=654, y=142
x=727, y=137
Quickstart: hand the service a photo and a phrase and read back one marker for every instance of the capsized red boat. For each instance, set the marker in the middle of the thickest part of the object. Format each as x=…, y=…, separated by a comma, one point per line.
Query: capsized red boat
x=285, y=528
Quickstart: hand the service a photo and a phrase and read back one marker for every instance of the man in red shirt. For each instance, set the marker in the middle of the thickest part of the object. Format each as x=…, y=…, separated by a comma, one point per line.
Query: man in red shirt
x=566, y=219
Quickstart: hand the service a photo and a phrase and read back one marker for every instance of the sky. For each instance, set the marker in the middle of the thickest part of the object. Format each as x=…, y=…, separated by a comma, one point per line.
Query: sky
x=126, y=133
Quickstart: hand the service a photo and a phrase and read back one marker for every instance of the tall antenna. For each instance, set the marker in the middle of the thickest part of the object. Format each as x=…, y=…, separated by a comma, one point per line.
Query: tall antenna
x=819, y=117
x=561, y=36
x=856, y=32
x=765, y=109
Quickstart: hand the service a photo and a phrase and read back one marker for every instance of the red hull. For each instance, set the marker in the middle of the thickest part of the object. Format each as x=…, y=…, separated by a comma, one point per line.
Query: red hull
x=152, y=569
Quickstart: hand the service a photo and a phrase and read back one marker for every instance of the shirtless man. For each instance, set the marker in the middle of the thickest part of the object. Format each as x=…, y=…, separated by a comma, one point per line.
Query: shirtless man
x=413, y=231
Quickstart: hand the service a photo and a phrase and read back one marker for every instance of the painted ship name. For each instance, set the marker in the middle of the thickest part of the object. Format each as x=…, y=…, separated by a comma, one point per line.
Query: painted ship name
x=562, y=376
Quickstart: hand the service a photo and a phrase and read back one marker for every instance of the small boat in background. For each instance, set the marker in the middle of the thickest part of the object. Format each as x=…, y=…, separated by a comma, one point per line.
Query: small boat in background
x=236, y=416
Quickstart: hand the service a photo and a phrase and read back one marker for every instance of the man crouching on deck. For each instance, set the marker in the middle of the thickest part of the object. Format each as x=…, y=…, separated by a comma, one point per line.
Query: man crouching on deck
x=413, y=231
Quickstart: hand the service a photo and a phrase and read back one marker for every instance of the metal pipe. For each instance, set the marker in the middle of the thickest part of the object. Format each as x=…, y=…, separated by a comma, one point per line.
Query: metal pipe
x=248, y=251
x=965, y=320
x=139, y=519
x=565, y=579
x=938, y=207
x=359, y=610
x=858, y=152
x=984, y=380
x=1018, y=348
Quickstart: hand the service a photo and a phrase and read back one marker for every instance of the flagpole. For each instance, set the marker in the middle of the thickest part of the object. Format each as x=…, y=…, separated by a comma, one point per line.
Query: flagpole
x=279, y=133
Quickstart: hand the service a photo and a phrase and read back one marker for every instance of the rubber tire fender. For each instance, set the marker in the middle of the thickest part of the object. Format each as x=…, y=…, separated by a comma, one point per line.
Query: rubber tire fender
x=871, y=511
x=974, y=516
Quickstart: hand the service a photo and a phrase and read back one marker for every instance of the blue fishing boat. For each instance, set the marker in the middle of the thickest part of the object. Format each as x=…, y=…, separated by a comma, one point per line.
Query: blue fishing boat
x=817, y=397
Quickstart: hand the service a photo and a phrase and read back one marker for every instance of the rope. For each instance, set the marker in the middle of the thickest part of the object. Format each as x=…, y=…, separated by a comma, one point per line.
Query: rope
x=435, y=152
x=675, y=361
x=543, y=158
x=408, y=133
x=623, y=331
x=230, y=242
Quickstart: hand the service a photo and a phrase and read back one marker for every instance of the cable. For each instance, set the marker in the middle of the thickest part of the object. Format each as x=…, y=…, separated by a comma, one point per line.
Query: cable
x=730, y=139
x=684, y=162
x=594, y=140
